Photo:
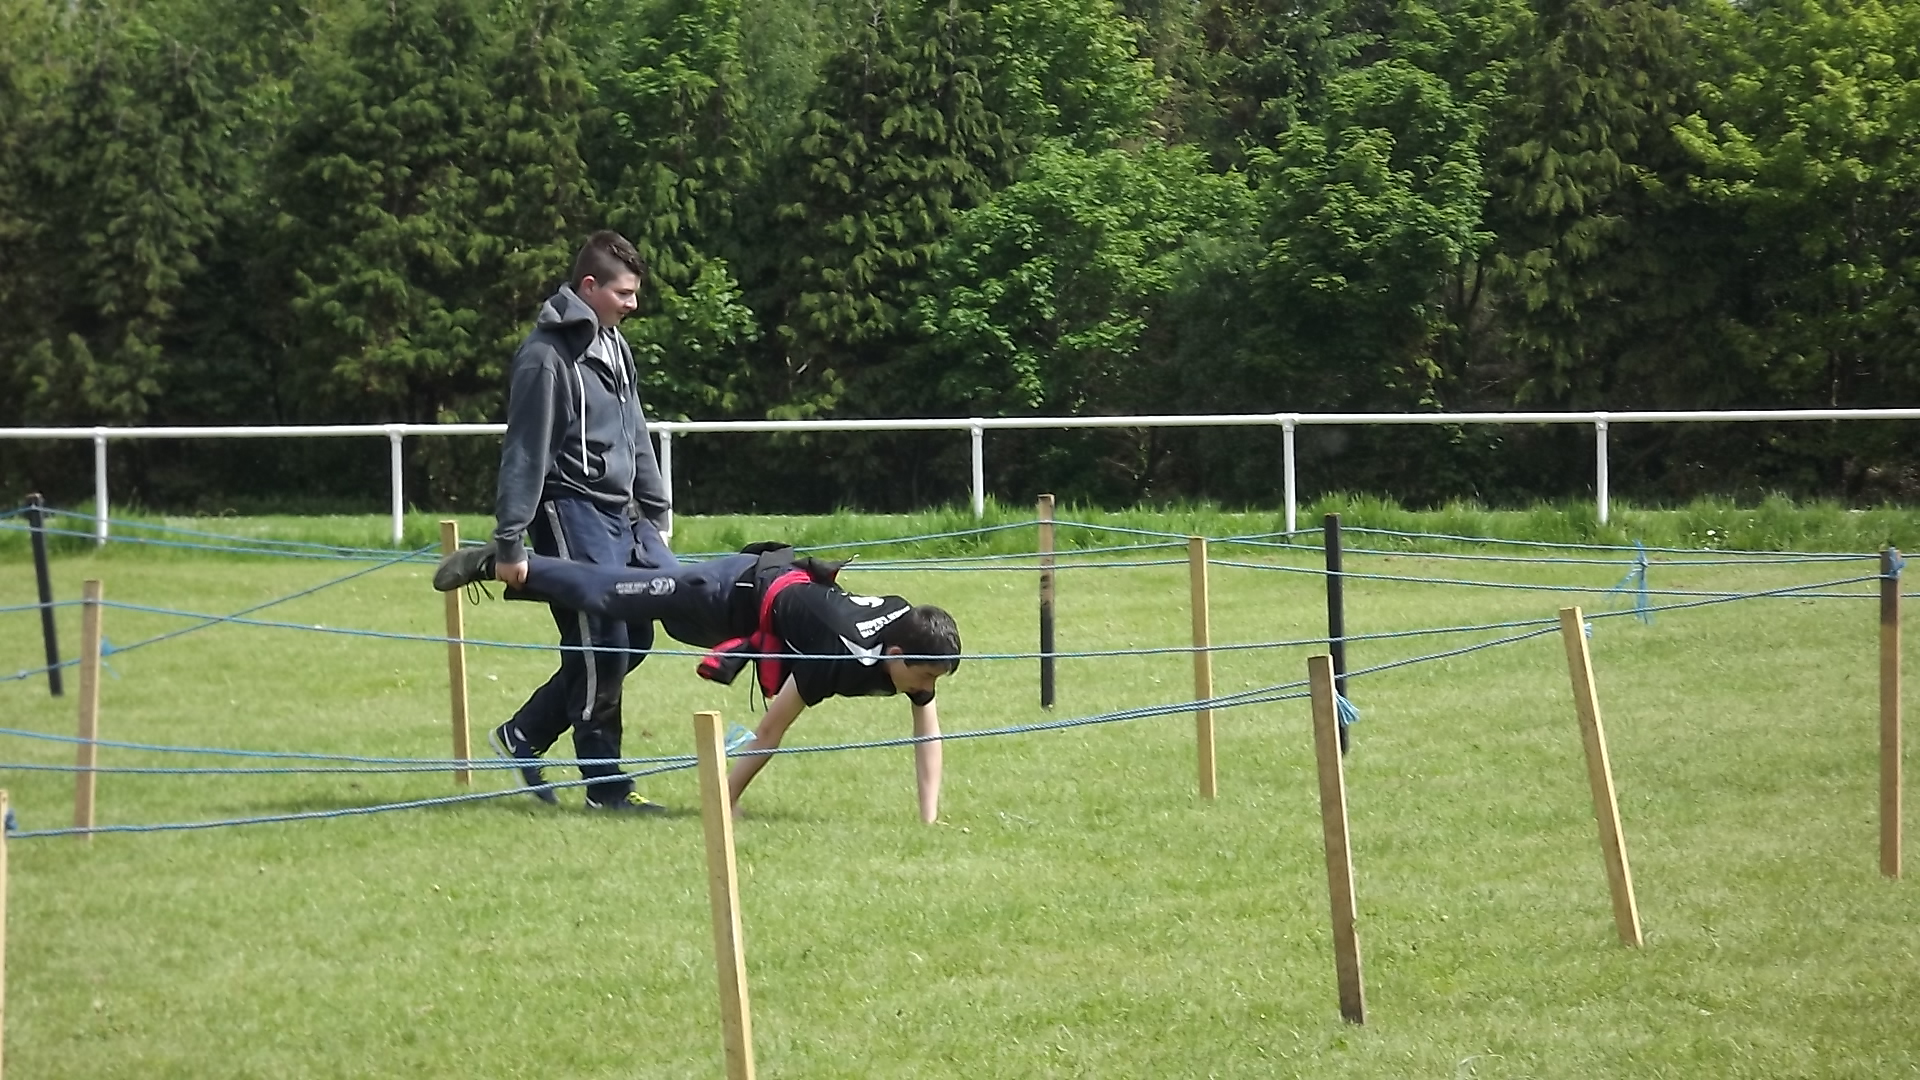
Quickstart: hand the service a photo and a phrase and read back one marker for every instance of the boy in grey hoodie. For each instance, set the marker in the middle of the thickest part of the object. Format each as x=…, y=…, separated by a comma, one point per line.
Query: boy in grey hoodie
x=578, y=480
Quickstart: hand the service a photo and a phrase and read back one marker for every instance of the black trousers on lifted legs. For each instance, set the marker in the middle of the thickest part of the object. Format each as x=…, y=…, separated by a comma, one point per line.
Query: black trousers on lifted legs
x=698, y=604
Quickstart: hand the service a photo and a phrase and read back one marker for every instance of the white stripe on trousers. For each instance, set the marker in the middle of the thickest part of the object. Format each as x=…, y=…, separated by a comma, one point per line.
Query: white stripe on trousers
x=586, y=632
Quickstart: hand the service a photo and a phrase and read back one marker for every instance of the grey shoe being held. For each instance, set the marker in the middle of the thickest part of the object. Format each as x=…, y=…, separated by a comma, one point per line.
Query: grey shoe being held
x=463, y=567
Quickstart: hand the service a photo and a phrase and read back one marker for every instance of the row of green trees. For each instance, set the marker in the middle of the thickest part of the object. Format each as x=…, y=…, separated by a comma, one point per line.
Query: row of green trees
x=246, y=212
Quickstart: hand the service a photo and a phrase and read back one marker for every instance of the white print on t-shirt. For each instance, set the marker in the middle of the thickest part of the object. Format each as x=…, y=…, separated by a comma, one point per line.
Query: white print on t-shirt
x=872, y=626
x=868, y=656
x=867, y=601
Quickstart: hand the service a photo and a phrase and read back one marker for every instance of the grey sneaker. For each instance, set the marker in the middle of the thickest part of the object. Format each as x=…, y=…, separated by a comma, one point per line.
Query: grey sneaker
x=507, y=742
x=632, y=804
x=464, y=567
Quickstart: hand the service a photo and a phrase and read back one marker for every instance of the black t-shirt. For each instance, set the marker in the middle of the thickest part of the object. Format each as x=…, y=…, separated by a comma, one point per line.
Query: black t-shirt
x=824, y=623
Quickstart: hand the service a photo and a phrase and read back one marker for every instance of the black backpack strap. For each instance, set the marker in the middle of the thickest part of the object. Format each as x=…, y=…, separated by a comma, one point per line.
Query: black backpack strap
x=743, y=609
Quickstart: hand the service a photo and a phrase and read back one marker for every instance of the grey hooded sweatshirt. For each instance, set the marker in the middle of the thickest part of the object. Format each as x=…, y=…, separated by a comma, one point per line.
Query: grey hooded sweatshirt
x=574, y=425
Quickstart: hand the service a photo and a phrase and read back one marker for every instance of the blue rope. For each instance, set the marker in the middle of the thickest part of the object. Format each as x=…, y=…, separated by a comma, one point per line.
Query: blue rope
x=18, y=608
x=476, y=765
x=209, y=620
x=1555, y=560
x=1352, y=575
x=1254, y=538
x=1278, y=693
x=1727, y=598
x=130, y=523
x=1597, y=547
x=1062, y=554
x=737, y=737
x=1636, y=580
x=981, y=531
x=1241, y=541
x=1058, y=654
x=315, y=815
x=1349, y=714
x=1123, y=530
x=1378, y=668
x=1027, y=569
x=671, y=765
x=368, y=553
x=440, y=764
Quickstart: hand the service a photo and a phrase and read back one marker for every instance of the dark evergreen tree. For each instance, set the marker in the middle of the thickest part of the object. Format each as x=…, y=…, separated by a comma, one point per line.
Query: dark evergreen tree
x=1596, y=245
x=899, y=139
x=668, y=149
x=432, y=191
x=1254, y=65
x=117, y=163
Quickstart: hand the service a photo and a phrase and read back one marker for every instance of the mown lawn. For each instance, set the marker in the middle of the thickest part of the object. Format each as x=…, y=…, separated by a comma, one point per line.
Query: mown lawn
x=1079, y=911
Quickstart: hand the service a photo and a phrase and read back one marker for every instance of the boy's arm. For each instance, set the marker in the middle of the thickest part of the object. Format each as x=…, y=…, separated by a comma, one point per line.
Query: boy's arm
x=533, y=398
x=785, y=707
x=926, y=760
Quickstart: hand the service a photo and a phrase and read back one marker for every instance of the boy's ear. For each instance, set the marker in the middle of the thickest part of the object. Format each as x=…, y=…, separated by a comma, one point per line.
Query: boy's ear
x=895, y=650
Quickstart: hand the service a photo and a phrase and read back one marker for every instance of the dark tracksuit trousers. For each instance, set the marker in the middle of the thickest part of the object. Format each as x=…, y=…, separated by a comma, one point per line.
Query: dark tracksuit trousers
x=696, y=603
x=584, y=694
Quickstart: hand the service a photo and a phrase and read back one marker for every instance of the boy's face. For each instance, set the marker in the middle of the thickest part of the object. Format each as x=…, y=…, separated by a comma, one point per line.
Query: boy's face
x=912, y=678
x=613, y=299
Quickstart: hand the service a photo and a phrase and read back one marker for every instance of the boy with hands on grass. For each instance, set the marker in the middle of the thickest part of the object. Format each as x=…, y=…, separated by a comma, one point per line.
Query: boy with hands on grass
x=808, y=638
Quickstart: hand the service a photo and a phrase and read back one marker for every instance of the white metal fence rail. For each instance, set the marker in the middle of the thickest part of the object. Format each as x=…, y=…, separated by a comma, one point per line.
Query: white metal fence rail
x=977, y=427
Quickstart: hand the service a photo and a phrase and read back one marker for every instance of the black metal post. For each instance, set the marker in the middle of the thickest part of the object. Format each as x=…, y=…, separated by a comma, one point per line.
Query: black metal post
x=1046, y=601
x=37, y=525
x=1336, y=614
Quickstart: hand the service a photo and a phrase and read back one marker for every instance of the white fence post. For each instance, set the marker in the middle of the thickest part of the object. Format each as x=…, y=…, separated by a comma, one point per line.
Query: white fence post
x=979, y=471
x=1600, y=464
x=100, y=485
x=1287, y=424
x=394, y=435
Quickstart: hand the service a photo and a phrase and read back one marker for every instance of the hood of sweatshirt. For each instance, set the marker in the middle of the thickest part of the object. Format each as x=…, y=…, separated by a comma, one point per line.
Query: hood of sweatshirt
x=565, y=309
x=567, y=315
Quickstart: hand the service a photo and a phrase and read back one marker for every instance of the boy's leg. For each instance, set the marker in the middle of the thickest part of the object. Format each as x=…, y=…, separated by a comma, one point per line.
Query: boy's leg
x=544, y=716
x=694, y=600
x=601, y=735
x=586, y=688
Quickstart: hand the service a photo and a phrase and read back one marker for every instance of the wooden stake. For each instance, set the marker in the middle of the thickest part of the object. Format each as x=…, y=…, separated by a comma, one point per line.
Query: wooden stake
x=89, y=748
x=1046, y=601
x=457, y=663
x=4, y=804
x=1202, y=662
x=1606, y=809
x=1333, y=831
x=1890, y=781
x=723, y=889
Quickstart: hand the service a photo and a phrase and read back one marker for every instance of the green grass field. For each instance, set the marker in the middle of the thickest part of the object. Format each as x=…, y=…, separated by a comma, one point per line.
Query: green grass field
x=1078, y=912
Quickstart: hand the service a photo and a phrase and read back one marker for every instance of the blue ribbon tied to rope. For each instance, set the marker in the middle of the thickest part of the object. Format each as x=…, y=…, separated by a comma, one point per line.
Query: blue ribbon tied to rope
x=1636, y=581
x=1349, y=714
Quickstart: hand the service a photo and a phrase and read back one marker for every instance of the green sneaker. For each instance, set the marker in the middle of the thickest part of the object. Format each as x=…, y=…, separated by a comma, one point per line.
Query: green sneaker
x=633, y=803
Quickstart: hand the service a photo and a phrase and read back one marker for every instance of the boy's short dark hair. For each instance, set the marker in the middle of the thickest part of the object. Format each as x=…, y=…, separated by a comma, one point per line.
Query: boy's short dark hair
x=604, y=256
x=926, y=631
